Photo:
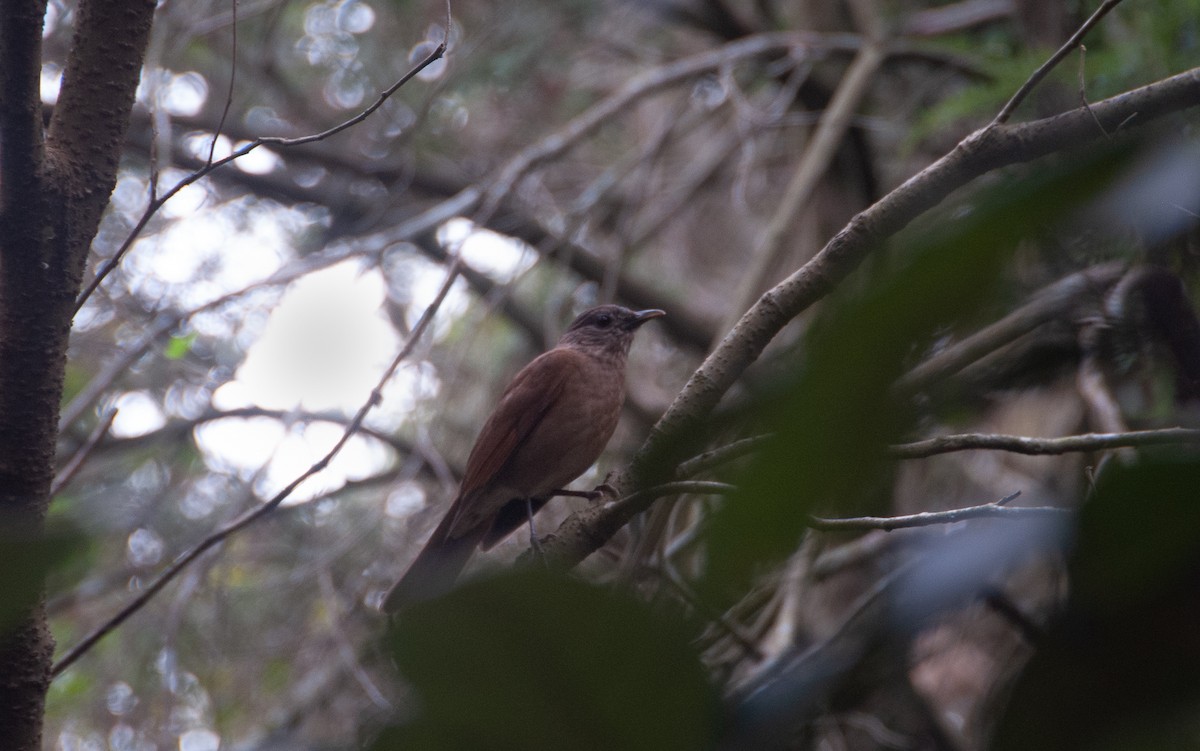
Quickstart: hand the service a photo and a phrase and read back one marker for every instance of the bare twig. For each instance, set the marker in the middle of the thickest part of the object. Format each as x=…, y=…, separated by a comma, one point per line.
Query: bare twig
x=679, y=487
x=154, y=206
x=859, y=550
x=983, y=151
x=994, y=510
x=68, y=472
x=817, y=157
x=1051, y=303
x=639, y=499
x=645, y=84
x=720, y=455
x=1103, y=410
x=719, y=621
x=254, y=514
x=955, y=17
x=346, y=651
x=1038, y=446
x=233, y=56
x=1083, y=100
x=176, y=428
x=1006, y=111
x=119, y=364
x=651, y=82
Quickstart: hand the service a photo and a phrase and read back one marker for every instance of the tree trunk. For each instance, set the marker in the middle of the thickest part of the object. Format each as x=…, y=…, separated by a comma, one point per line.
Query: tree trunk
x=53, y=189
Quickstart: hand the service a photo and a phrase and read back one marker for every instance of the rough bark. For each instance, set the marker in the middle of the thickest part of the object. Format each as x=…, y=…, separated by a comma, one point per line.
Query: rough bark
x=53, y=191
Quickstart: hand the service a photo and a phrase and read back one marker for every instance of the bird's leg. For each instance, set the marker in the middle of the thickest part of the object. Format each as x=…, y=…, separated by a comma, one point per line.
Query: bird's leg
x=604, y=489
x=533, y=538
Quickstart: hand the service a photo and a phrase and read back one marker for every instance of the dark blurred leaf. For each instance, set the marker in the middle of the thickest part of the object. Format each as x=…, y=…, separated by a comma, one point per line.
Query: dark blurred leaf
x=24, y=562
x=534, y=661
x=833, y=420
x=1120, y=669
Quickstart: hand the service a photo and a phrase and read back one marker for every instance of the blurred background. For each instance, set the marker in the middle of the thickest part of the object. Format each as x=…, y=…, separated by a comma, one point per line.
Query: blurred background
x=658, y=154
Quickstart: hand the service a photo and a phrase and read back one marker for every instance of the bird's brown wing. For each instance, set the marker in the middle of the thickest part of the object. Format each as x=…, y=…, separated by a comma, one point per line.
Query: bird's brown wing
x=523, y=406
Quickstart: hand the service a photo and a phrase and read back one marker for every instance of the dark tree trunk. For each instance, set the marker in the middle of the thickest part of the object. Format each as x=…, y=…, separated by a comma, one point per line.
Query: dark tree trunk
x=53, y=189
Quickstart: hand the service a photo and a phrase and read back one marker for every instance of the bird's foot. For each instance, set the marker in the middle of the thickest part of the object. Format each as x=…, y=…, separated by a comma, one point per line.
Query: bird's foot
x=604, y=489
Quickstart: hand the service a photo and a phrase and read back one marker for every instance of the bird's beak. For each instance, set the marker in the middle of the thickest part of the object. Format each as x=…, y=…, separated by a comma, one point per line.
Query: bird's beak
x=645, y=315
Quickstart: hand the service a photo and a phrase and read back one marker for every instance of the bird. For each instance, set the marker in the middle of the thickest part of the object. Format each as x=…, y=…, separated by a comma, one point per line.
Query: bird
x=550, y=425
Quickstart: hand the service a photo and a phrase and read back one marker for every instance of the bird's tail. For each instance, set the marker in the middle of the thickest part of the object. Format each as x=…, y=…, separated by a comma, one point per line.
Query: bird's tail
x=435, y=568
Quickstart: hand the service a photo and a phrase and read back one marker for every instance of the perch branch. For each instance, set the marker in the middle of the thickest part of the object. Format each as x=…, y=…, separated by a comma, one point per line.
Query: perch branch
x=983, y=151
x=1018, y=444
x=1006, y=111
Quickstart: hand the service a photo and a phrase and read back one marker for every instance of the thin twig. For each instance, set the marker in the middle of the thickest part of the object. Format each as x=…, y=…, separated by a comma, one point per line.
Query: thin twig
x=1019, y=444
x=718, y=620
x=679, y=487
x=491, y=194
x=1103, y=409
x=68, y=472
x=822, y=149
x=233, y=56
x=1006, y=112
x=253, y=515
x=956, y=17
x=154, y=206
x=1083, y=89
x=994, y=510
x=1054, y=302
x=651, y=82
x=982, y=152
x=182, y=427
x=346, y=651
x=638, y=499
x=115, y=368
x=720, y=455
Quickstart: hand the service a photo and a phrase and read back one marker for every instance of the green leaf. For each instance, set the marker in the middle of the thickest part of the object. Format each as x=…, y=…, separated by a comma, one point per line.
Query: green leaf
x=530, y=660
x=179, y=346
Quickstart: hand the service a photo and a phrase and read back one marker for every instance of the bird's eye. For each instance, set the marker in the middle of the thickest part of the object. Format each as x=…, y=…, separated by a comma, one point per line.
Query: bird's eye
x=604, y=320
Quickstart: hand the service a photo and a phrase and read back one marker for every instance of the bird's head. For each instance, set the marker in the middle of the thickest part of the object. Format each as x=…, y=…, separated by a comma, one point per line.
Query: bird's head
x=606, y=328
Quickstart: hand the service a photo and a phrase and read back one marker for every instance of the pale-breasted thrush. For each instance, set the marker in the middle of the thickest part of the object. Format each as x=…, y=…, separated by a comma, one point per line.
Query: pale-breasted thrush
x=551, y=424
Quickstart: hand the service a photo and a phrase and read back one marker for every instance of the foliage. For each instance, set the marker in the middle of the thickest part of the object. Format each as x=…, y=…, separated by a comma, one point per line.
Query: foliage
x=1116, y=671
x=532, y=660
x=254, y=313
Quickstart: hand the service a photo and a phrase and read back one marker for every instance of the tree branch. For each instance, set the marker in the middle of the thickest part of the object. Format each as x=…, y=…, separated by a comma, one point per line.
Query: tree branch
x=176, y=429
x=818, y=155
x=80, y=457
x=983, y=151
x=253, y=515
x=1055, y=59
x=995, y=510
x=1041, y=446
x=157, y=203
x=1048, y=304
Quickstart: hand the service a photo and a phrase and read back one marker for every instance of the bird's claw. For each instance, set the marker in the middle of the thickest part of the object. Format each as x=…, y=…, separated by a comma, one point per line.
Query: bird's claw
x=604, y=489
